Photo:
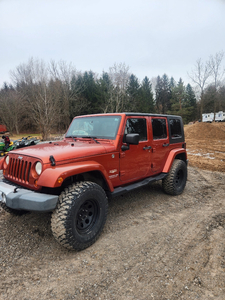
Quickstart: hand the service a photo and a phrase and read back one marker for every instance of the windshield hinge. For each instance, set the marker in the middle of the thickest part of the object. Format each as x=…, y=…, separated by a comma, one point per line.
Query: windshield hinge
x=52, y=160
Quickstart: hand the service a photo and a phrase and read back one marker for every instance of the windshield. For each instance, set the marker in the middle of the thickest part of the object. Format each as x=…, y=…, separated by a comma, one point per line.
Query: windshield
x=102, y=127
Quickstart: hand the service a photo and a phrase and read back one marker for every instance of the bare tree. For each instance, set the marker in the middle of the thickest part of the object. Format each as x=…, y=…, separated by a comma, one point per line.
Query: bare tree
x=119, y=75
x=200, y=75
x=11, y=109
x=32, y=82
x=217, y=72
x=67, y=75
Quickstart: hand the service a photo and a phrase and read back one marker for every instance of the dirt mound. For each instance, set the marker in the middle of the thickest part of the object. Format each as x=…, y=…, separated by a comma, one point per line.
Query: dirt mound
x=206, y=145
x=211, y=131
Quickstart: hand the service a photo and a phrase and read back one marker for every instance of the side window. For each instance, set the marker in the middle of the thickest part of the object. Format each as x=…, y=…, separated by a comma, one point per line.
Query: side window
x=137, y=125
x=175, y=128
x=159, y=129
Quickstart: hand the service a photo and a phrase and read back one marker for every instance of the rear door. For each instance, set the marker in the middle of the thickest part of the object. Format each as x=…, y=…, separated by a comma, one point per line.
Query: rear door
x=160, y=143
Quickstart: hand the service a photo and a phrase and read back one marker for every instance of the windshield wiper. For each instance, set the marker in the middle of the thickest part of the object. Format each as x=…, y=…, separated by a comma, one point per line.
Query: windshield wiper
x=91, y=137
x=71, y=136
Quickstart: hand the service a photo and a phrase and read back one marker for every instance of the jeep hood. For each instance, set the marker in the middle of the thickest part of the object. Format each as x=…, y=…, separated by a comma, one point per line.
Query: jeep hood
x=62, y=151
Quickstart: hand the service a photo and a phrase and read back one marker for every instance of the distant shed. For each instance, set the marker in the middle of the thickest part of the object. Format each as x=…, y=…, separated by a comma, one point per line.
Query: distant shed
x=208, y=117
x=220, y=116
x=3, y=129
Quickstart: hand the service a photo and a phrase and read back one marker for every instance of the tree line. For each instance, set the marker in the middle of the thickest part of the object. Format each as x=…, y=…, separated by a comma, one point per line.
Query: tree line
x=208, y=78
x=45, y=97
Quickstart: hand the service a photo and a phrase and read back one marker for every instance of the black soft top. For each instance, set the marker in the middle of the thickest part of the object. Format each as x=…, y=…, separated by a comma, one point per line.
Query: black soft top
x=150, y=115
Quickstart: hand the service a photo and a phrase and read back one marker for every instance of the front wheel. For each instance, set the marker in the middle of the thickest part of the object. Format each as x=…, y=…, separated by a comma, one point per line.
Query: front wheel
x=175, y=182
x=80, y=215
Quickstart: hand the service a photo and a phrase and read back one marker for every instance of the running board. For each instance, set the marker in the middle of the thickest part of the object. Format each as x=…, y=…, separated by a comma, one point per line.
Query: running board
x=124, y=189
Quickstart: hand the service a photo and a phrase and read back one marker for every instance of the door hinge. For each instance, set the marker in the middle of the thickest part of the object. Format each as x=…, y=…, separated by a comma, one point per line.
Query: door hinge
x=122, y=154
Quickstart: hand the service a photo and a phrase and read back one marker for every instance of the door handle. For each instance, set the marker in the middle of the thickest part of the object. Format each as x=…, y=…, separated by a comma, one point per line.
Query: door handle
x=165, y=145
x=147, y=148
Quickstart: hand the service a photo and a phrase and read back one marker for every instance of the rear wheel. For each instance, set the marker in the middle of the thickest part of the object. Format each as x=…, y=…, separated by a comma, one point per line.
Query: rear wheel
x=80, y=215
x=175, y=182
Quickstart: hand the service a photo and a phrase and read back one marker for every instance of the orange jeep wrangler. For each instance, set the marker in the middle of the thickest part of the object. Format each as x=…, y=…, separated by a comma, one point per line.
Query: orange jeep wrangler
x=101, y=156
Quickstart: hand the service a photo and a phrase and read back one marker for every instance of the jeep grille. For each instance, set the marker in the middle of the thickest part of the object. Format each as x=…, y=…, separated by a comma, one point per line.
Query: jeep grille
x=19, y=169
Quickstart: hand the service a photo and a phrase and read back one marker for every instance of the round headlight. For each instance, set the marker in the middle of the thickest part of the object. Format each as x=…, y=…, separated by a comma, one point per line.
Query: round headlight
x=7, y=160
x=38, y=168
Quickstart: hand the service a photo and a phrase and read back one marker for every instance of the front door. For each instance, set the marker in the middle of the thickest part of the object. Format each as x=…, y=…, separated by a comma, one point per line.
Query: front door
x=135, y=162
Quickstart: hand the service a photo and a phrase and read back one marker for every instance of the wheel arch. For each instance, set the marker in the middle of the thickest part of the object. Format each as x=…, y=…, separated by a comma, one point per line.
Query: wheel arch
x=174, y=154
x=181, y=156
x=93, y=176
x=83, y=171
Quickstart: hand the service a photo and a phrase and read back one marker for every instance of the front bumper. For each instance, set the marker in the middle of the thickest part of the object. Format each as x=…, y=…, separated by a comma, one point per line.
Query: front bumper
x=22, y=199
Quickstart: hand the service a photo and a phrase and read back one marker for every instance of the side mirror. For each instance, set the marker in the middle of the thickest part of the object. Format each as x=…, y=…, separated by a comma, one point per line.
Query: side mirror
x=131, y=138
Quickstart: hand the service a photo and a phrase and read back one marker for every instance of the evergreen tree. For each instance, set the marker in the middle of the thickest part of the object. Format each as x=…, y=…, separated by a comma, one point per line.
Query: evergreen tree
x=132, y=93
x=163, y=94
x=209, y=99
x=78, y=100
x=172, y=83
x=146, y=101
x=105, y=93
x=221, y=98
x=181, y=93
x=191, y=99
x=158, y=94
x=190, y=105
x=91, y=93
x=177, y=98
x=183, y=102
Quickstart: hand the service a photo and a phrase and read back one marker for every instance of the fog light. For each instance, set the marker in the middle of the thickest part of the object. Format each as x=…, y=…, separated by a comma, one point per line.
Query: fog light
x=3, y=198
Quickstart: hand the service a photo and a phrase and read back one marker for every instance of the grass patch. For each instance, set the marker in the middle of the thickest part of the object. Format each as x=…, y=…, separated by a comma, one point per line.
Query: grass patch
x=15, y=137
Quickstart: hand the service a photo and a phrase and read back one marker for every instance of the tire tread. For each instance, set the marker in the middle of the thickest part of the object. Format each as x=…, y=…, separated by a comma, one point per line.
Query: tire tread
x=168, y=183
x=61, y=222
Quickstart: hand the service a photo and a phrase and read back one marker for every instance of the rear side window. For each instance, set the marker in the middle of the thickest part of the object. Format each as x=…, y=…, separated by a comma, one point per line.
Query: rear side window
x=159, y=129
x=137, y=125
x=175, y=128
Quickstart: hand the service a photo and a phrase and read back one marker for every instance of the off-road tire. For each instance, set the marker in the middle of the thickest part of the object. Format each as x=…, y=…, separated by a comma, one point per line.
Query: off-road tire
x=80, y=215
x=12, y=211
x=175, y=182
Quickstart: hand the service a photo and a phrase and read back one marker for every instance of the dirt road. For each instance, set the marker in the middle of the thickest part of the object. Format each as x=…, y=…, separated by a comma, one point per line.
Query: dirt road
x=154, y=246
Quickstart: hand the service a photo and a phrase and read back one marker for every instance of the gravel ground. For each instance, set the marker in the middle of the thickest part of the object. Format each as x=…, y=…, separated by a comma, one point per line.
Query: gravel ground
x=153, y=246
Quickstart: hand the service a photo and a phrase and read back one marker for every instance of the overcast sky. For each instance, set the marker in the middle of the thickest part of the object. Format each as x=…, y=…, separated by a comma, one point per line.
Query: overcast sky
x=152, y=37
